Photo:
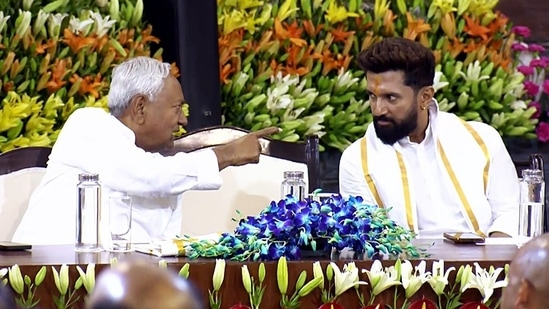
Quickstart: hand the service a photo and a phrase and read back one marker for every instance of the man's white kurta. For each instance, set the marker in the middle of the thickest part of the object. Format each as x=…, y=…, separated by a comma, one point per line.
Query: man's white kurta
x=460, y=178
x=93, y=141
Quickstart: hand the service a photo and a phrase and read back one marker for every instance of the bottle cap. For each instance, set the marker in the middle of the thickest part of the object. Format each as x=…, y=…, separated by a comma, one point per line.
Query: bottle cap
x=88, y=177
x=294, y=174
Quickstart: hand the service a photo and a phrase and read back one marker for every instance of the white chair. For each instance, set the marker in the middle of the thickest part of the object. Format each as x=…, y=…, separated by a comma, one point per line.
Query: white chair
x=247, y=189
x=21, y=171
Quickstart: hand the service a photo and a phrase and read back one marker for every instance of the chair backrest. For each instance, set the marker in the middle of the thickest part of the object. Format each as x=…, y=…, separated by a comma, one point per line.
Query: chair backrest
x=246, y=189
x=21, y=171
x=21, y=158
x=302, y=152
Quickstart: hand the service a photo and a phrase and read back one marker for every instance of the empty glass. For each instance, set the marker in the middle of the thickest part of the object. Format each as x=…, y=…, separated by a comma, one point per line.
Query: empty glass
x=120, y=223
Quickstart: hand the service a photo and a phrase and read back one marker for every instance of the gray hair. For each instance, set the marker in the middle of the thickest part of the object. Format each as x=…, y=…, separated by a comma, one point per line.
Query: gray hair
x=139, y=75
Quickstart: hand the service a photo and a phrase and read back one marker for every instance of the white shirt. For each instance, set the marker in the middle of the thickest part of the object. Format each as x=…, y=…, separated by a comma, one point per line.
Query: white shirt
x=93, y=141
x=437, y=210
x=430, y=195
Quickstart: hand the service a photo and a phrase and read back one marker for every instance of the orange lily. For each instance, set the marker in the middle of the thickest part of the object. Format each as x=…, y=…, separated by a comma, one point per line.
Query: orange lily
x=388, y=23
x=475, y=29
x=291, y=32
x=310, y=29
x=41, y=48
x=332, y=62
x=454, y=48
x=58, y=72
x=341, y=35
x=415, y=27
x=76, y=42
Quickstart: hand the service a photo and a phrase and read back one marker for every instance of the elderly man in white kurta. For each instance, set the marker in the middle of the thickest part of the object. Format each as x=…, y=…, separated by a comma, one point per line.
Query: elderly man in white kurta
x=437, y=173
x=122, y=146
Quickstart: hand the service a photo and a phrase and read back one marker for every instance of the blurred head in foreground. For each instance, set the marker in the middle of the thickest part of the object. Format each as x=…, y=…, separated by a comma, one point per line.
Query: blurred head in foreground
x=7, y=299
x=142, y=286
x=528, y=285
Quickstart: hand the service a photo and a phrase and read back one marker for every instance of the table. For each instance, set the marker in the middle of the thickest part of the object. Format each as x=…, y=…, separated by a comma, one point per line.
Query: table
x=232, y=291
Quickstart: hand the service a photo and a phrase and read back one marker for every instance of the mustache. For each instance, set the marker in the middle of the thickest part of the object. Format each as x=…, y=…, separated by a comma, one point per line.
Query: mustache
x=384, y=118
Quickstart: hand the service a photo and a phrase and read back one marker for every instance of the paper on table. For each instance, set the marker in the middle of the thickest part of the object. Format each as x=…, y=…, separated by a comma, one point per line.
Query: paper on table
x=174, y=247
x=498, y=241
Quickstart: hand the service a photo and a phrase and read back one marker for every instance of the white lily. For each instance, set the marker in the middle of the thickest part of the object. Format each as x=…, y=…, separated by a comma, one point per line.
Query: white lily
x=88, y=277
x=466, y=274
x=439, y=278
x=437, y=84
x=473, y=72
x=413, y=279
x=102, y=24
x=76, y=25
x=3, y=20
x=54, y=24
x=380, y=279
x=346, y=279
x=24, y=21
x=485, y=281
x=314, y=124
x=218, y=274
x=519, y=104
x=61, y=278
x=344, y=80
x=16, y=279
x=317, y=273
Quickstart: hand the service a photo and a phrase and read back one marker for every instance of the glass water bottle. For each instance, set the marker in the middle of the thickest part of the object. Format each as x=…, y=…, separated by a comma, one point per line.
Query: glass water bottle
x=87, y=213
x=531, y=208
x=294, y=185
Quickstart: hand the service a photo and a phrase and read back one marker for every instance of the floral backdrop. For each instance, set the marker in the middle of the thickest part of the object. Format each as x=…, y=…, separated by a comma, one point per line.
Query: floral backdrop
x=57, y=56
x=292, y=63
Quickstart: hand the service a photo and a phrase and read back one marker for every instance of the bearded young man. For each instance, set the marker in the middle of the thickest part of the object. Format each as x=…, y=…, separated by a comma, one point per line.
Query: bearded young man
x=437, y=173
x=123, y=148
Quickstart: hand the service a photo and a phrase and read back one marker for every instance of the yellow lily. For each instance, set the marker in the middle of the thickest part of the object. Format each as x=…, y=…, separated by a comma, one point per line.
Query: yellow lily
x=232, y=21
x=287, y=8
x=247, y=4
x=480, y=7
x=445, y=7
x=336, y=13
x=380, y=7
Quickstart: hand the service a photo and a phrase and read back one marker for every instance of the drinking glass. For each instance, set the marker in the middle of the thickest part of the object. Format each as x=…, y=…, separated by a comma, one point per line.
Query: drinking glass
x=120, y=223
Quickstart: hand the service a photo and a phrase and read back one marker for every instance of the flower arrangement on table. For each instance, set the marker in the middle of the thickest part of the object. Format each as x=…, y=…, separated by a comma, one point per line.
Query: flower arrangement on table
x=293, y=63
x=289, y=226
x=534, y=65
x=57, y=56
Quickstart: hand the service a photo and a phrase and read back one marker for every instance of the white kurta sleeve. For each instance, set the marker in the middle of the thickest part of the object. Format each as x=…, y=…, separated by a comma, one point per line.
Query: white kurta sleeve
x=108, y=149
x=503, y=189
x=351, y=177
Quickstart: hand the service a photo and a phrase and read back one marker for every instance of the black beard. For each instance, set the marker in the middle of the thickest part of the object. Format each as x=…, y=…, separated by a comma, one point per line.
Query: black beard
x=390, y=134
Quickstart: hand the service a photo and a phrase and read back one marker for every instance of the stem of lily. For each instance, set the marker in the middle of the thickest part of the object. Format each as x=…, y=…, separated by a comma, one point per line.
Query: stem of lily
x=395, y=297
x=439, y=301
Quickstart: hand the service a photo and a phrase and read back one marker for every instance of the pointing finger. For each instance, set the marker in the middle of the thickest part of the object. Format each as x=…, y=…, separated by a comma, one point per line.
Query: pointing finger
x=266, y=132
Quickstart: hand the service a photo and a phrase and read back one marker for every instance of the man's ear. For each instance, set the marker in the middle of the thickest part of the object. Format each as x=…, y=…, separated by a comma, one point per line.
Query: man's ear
x=524, y=291
x=137, y=108
x=427, y=95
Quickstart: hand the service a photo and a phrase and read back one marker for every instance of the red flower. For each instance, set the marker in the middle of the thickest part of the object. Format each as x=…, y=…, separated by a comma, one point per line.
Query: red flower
x=531, y=88
x=543, y=131
x=423, y=303
x=521, y=31
x=332, y=305
x=525, y=69
x=240, y=306
x=474, y=305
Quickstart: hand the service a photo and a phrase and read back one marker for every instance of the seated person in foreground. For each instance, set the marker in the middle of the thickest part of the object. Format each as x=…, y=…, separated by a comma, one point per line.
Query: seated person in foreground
x=142, y=286
x=437, y=173
x=122, y=146
x=527, y=281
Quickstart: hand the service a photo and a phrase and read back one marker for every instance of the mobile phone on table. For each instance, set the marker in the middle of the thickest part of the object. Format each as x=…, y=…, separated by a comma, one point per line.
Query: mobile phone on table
x=13, y=246
x=464, y=237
